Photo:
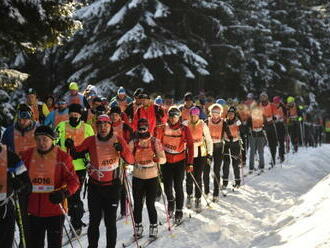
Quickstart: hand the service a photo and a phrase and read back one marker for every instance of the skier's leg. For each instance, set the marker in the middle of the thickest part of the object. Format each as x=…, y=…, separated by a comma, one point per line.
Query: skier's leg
x=95, y=214
x=54, y=226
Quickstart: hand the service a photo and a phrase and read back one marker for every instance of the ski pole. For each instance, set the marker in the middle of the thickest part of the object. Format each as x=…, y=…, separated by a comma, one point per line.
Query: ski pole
x=129, y=197
x=164, y=201
x=199, y=188
x=67, y=234
x=19, y=215
x=70, y=224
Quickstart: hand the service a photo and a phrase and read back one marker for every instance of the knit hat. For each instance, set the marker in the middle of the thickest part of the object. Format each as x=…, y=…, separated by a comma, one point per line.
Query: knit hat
x=188, y=96
x=121, y=90
x=137, y=92
x=144, y=95
x=45, y=130
x=76, y=108
x=276, y=99
x=24, y=111
x=103, y=118
x=250, y=96
x=174, y=111
x=232, y=109
x=215, y=107
x=195, y=111
x=221, y=101
x=264, y=94
x=115, y=109
x=73, y=86
x=31, y=91
x=158, y=100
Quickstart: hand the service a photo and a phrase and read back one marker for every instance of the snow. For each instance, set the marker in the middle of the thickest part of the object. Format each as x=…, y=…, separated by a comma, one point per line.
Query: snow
x=95, y=9
x=161, y=10
x=286, y=207
x=118, y=17
x=136, y=34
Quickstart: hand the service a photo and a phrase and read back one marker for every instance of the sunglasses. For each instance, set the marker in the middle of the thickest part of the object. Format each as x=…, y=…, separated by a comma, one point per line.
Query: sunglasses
x=24, y=115
x=61, y=102
x=215, y=112
x=174, y=115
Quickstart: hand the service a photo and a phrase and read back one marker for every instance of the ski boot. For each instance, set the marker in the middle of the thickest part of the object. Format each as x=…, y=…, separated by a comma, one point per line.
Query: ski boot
x=198, y=205
x=153, y=231
x=178, y=216
x=138, y=230
x=189, y=201
x=215, y=199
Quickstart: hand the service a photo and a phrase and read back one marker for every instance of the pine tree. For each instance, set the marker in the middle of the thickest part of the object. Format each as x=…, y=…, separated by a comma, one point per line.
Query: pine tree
x=166, y=43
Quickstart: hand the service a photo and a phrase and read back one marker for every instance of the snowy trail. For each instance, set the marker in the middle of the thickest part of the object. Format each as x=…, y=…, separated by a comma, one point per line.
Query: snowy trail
x=284, y=207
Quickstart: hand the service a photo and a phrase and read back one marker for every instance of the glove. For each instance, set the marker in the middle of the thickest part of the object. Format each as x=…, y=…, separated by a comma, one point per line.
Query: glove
x=69, y=143
x=189, y=168
x=58, y=196
x=156, y=159
x=118, y=147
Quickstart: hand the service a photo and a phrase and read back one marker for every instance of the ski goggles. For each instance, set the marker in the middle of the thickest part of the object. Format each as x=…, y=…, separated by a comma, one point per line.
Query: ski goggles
x=61, y=102
x=143, y=128
x=215, y=112
x=24, y=115
x=173, y=114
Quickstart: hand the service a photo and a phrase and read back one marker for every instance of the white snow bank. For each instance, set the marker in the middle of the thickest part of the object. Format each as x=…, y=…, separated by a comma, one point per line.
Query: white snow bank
x=284, y=207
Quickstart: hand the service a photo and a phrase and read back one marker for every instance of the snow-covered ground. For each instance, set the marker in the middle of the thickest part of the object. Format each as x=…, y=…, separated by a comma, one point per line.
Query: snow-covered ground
x=284, y=207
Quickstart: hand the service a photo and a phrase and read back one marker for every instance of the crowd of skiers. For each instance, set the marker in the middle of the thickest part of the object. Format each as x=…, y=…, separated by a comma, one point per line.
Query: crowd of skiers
x=57, y=151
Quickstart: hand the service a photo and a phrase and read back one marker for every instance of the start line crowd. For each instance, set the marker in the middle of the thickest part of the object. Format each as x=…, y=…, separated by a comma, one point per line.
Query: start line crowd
x=54, y=149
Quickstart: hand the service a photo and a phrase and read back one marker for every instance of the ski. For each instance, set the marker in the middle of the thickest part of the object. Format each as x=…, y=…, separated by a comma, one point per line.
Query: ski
x=73, y=239
x=148, y=242
x=131, y=241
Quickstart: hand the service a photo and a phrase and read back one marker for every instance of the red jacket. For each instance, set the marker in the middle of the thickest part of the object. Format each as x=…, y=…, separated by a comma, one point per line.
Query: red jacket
x=65, y=176
x=186, y=138
x=152, y=114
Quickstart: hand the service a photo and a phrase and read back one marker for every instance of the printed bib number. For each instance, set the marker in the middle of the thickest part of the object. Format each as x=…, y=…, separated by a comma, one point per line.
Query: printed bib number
x=42, y=172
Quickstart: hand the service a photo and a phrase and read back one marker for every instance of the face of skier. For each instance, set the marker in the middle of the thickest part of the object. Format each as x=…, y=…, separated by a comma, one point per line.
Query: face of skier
x=61, y=105
x=215, y=113
x=31, y=99
x=188, y=102
x=73, y=92
x=43, y=142
x=103, y=128
x=231, y=115
x=194, y=118
x=173, y=119
x=50, y=102
x=115, y=117
x=121, y=96
x=23, y=123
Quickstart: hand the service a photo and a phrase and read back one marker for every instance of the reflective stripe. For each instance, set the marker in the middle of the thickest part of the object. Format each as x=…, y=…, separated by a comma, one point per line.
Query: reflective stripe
x=3, y=172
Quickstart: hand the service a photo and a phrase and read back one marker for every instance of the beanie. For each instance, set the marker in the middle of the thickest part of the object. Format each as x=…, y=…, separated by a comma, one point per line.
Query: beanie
x=76, y=108
x=45, y=130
